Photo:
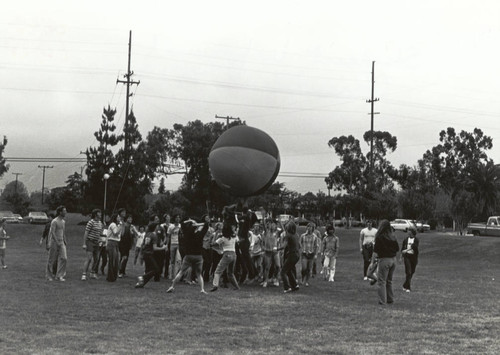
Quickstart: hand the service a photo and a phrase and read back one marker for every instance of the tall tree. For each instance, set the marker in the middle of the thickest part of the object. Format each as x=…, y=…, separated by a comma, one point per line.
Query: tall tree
x=16, y=196
x=459, y=162
x=100, y=159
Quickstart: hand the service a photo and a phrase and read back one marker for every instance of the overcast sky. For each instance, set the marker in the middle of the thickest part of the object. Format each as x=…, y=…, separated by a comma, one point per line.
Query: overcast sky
x=298, y=70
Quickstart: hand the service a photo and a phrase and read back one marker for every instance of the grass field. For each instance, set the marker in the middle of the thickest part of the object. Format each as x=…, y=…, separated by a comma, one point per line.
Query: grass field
x=454, y=307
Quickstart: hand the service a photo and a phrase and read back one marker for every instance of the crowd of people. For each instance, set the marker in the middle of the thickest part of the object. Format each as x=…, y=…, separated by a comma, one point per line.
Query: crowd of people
x=238, y=250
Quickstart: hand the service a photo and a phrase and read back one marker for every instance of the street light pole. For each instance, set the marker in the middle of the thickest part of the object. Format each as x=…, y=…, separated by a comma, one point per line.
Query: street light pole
x=106, y=177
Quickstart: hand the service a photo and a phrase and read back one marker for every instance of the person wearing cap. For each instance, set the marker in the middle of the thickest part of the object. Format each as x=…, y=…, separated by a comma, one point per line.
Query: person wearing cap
x=409, y=249
x=193, y=245
x=366, y=242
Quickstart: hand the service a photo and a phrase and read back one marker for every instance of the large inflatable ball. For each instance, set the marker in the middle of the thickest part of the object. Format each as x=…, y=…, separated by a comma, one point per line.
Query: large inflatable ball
x=244, y=161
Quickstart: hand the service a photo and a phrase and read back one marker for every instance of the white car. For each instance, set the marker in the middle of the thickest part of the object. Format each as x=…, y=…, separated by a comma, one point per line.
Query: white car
x=403, y=225
x=422, y=227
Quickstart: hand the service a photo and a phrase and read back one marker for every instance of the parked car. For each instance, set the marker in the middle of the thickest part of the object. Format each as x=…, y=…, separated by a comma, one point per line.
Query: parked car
x=8, y=216
x=422, y=227
x=37, y=217
x=301, y=221
x=490, y=228
x=403, y=225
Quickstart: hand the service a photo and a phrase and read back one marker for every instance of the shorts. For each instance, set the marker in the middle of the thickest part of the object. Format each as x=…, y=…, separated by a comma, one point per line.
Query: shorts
x=91, y=245
x=2, y=252
x=193, y=261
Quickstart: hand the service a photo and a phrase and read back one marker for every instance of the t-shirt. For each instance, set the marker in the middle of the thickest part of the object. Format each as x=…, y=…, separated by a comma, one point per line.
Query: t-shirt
x=127, y=239
x=227, y=244
x=255, y=244
x=3, y=234
x=368, y=235
x=114, y=232
x=292, y=244
x=150, y=239
x=94, y=230
x=173, y=232
x=140, y=239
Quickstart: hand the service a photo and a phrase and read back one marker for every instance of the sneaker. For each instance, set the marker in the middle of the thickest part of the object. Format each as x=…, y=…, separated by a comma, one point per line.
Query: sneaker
x=331, y=280
x=4, y=267
x=296, y=288
x=203, y=291
x=373, y=282
x=264, y=284
x=365, y=279
x=84, y=277
x=213, y=289
x=50, y=279
x=276, y=283
x=94, y=276
x=139, y=284
x=306, y=284
x=120, y=276
x=60, y=279
x=170, y=289
x=287, y=290
x=407, y=290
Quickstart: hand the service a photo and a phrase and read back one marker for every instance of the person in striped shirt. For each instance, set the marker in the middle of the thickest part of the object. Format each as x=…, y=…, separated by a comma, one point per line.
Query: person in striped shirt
x=91, y=239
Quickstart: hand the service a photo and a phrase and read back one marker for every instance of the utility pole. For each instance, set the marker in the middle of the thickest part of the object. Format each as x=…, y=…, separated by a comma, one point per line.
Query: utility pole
x=228, y=118
x=128, y=82
x=17, y=174
x=372, y=102
x=43, y=177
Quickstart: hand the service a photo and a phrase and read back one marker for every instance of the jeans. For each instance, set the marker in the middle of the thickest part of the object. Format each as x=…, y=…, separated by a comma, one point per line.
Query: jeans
x=151, y=268
x=226, y=263
x=410, y=266
x=57, y=254
x=207, y=263
x=386, y=267
x=271, y=257
x=174, y=248
x=246, y=260
x=113, y=260
x=367, y=256
x=288, y=271
x=329, y=265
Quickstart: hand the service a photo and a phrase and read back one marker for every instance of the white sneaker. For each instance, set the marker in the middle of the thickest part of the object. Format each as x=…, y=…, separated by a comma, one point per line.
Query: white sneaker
x=84, y=277
x=264, y=284
x=365, y=279
x=170, y=289
x=276, y=283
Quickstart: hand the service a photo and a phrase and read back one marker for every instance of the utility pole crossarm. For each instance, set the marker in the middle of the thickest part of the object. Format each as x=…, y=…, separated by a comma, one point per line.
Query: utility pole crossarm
x=228, y=118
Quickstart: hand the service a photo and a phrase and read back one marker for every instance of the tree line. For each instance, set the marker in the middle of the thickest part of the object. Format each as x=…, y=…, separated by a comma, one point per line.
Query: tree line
x=453, y=181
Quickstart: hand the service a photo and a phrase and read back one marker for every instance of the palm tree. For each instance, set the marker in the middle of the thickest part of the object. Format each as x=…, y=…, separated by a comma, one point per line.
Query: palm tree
x=483, y=180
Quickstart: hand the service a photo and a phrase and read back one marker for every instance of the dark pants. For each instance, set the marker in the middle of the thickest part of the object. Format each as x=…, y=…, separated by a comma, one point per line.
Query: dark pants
x=367, y=256
x=247, y=268
x=124, y=254
x=159, y=256
x=207, y=263
x=288, y=271
x=151, y=269
x=103, y=257
x=410, y=266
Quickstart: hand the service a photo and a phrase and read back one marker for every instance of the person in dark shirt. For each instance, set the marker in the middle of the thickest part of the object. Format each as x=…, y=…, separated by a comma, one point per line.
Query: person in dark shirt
x=409, y=249
x=149, y=247
x=125, y=244
x=385, y=249
x=193, y=245
x=291, y=257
